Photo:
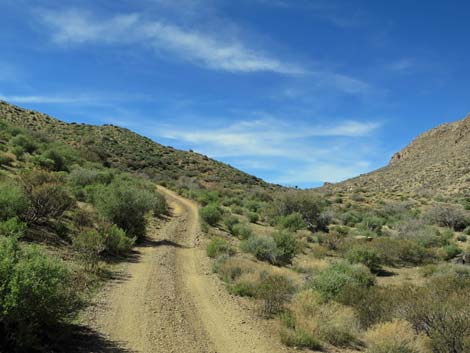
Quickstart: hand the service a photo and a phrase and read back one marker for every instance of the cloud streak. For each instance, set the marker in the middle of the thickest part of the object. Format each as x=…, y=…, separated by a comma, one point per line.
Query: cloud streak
x=316, y=153
x=75, y=27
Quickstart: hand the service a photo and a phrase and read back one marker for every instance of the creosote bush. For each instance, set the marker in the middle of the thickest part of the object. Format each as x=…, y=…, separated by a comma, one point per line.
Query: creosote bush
x=217, y=247
x=316, y=320
x=36, y=295
x=368, y=256
x=339, y=277
x=275, y=291
x=397, y=336
x=211, y=214
x=126, y=204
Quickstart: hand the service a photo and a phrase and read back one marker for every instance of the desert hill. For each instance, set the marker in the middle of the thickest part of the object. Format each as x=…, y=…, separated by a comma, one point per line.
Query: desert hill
x=435, y=163
x=123, y=149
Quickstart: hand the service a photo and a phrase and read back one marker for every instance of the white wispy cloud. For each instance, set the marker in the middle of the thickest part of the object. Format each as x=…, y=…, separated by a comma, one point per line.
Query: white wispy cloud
x=36, y=99
x=294, y=152
x=263, y=137
x=401, y=65
x=73, y=27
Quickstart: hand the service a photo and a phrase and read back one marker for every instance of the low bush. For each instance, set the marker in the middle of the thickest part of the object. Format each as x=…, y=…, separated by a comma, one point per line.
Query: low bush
x=339, y=277
x=368, y=256
x=450, y=251
x=253, y=217
x=13, y=200
x=287, y=247
x=446, y=215
x=48, y=201
x=316, y=320
x=263, y=248
x=395, y=252
x=275, y=291
x=211, y=214
x=89, y=246
x=126, y=204
x=300, y=339
x=116, y=241
x=440, y=311
x=230, y=222
x=217, y=247
x=13, y=227
x=242, y=231
x=397, y=336
x=160, y=206
x=7, y=159
x=25, y=142
x=36, y=296
x=292, y=222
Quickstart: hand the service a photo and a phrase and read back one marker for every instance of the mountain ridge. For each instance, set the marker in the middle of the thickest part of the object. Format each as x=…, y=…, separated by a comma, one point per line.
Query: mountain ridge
x=124, y=149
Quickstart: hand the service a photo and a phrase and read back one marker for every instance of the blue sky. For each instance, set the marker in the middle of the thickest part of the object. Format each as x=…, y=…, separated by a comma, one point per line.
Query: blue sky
x=297, y=92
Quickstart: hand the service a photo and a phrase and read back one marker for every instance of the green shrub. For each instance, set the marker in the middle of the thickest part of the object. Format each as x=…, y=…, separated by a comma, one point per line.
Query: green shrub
x=397, y=336
x=292, y=222
x=36, y=294
x=287, y=247
x=13, y=200
x=275, y=291
x=83, y=177
x=368, y=256
x=25, y=142
x=339, y=277
x=317, y=320
x=372, y=223
x=467, y=230
x=253, y=217
x=6, y=159
x=229, y=222
x=217, y=247
x=462, y=238
x=243, y=289
x=450, y=251
x=48, y=201
x=264, y=248
x=126, y=204
x=13, y=227
x=440, y=311
x=160, y=206
x=241, y=230
x=116, y=241
x=309, y=206
x=211, y=214
x=393, y=252
x=89, y=246
x=300, y=339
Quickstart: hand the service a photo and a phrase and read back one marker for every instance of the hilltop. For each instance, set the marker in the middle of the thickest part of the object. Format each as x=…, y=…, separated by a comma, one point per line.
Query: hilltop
x=123, y=149
x=436, y=163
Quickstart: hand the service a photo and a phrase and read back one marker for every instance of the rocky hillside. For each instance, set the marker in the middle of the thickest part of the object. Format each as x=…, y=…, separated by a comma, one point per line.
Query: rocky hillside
x=121, y=148
x=435, y=163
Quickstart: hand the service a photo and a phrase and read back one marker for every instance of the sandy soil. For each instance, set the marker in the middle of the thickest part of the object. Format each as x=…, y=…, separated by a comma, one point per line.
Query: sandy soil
x=167, y=300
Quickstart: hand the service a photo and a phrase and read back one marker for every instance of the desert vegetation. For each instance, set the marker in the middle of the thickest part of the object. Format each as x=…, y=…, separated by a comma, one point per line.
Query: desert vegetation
x=361, y=266
x=62, y=219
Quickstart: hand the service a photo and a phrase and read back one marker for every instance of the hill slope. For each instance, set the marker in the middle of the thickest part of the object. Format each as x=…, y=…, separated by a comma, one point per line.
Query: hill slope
x=123, y=149
x=436, y=162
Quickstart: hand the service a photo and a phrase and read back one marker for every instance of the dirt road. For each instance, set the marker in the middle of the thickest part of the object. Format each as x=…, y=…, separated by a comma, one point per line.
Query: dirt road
x=169, y=301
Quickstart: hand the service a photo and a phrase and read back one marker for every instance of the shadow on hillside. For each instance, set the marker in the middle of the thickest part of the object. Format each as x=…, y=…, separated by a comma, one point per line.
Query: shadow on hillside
x=85, y=340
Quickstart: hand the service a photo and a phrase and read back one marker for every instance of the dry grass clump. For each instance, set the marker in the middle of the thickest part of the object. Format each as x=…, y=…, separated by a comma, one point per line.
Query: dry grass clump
x=396, y=336
x=311, y=319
